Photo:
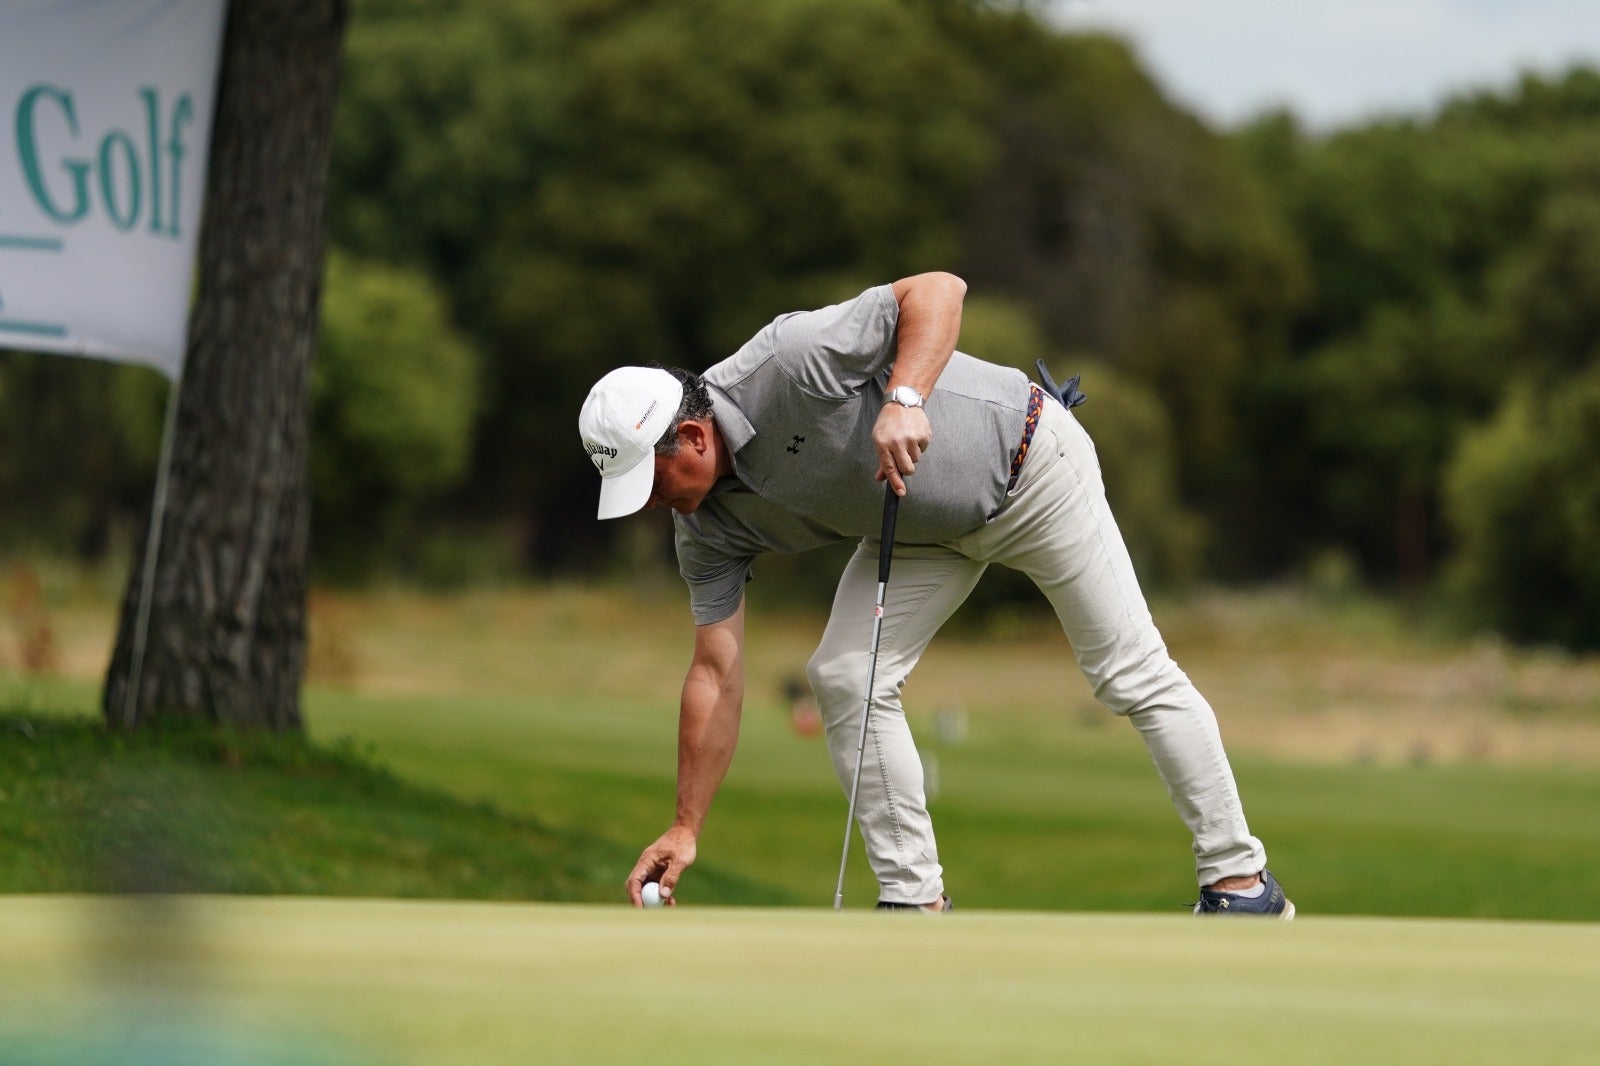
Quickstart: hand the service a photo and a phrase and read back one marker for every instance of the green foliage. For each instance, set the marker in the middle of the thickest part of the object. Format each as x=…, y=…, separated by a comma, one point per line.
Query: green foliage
x=393, y=394
x=688, y=170
x=1136, y=236
x=79, y=442
x=1395, y=213
x=1448, y=258
x=1103, y=199
x=1550, y=289
x=557, y=187
x=1554, y=104
x=672, y=176
x=1001, y=331
x=1524, y=495
x=1385, y=409
x=1135, y=443
x=447, y=116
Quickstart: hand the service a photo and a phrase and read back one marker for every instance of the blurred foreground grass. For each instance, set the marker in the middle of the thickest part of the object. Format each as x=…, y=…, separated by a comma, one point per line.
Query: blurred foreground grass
x=1387, y=773
x=253, y=982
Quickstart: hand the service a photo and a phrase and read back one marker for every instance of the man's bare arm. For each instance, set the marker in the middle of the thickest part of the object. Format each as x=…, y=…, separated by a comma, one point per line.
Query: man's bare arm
x=708, y=733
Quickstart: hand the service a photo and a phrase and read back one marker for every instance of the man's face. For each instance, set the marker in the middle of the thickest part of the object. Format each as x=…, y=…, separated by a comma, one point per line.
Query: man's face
x=684, y=480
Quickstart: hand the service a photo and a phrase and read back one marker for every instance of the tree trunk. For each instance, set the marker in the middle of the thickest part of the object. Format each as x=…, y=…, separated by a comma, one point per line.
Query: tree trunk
x=227, y=633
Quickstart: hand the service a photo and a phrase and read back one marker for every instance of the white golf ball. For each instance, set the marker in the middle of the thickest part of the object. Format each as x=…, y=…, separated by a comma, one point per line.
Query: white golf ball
x=651, y=894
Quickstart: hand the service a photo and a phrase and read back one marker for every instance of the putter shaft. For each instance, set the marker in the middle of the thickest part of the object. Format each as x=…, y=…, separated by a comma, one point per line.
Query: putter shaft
x=891, y=507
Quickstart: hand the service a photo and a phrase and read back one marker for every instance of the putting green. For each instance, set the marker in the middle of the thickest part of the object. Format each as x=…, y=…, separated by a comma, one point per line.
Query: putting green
x=335, y=981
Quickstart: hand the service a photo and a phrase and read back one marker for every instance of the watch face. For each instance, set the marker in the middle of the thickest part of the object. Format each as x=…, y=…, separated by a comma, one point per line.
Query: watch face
x=906, y=396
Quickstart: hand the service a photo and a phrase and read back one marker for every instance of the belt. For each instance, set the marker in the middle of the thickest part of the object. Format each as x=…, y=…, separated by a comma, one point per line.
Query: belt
x=1029, y=424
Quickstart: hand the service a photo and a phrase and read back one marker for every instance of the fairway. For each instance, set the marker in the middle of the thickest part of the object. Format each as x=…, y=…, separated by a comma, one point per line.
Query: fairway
x=321, y=981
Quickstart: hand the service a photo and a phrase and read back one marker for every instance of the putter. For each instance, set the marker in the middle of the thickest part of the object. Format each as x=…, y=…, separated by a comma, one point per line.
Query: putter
x=891, y=507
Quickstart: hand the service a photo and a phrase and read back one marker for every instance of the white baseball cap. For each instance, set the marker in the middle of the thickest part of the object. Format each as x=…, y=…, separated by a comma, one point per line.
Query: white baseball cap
x=626, y=413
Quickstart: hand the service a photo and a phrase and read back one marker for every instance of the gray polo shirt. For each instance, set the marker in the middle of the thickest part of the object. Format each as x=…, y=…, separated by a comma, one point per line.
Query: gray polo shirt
x=796, y=405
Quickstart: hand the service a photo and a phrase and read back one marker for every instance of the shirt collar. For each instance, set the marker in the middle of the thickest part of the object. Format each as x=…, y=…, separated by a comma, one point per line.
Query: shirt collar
x=735, y=427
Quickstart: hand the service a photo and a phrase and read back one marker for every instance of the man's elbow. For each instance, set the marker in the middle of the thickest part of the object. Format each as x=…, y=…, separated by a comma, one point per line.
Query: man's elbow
x=946, y=282
x=957, y=286
x=940, y=284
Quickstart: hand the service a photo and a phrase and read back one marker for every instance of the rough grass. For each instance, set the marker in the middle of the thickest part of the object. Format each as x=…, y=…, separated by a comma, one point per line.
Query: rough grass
x=186, y=810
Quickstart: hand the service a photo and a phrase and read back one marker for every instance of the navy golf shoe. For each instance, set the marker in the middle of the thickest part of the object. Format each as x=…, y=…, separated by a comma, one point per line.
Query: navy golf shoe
x=1272, y=903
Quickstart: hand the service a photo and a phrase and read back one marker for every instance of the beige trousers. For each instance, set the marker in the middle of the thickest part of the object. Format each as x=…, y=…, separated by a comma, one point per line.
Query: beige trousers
x=1057, y=528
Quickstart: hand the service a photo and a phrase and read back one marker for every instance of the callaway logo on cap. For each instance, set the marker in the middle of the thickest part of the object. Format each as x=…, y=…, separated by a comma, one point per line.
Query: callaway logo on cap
x=627, y=411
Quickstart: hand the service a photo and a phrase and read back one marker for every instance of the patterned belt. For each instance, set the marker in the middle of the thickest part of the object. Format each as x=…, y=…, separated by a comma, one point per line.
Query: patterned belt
x=1035, y=406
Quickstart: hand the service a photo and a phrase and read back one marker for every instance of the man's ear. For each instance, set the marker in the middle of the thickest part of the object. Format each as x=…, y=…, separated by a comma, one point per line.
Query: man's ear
x=695, y=434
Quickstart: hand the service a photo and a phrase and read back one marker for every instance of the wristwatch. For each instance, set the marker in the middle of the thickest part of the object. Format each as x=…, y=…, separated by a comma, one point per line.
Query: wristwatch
x=905, y=396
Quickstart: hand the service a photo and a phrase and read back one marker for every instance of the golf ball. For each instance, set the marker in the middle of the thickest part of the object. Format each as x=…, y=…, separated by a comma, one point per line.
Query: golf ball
x=651, y=894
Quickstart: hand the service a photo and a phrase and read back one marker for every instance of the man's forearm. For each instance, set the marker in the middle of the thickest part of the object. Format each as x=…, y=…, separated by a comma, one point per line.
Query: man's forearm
x=708, y=733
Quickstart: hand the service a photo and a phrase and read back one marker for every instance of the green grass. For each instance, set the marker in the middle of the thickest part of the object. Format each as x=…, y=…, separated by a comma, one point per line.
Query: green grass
x=537, y=799
x=186, y=810
x=1063, y=815
x=253, y=982
x=485, y=751
x=514, y=745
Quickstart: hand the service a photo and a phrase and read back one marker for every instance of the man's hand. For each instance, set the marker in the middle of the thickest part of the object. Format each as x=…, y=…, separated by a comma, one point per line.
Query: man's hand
x=900, y=436
x=664, y=861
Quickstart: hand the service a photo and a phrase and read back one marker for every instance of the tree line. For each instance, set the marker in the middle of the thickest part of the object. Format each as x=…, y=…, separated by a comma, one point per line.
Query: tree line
x=1376, y=349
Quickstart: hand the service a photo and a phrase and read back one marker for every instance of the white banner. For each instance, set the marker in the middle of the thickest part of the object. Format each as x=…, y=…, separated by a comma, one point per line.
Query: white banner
x=105, y=132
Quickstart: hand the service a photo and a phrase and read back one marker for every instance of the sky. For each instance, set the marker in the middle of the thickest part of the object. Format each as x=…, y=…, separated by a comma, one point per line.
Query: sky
x=1339, y=62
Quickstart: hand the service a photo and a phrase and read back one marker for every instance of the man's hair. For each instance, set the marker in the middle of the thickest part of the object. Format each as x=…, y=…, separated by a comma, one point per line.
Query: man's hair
x=695, y=406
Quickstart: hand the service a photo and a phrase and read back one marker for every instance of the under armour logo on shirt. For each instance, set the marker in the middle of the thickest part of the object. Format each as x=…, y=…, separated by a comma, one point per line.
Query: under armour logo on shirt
x=795, y=447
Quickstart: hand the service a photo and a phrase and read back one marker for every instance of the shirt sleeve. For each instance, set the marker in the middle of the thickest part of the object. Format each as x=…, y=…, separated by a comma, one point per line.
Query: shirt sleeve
x=833, y=350
x=715, y=576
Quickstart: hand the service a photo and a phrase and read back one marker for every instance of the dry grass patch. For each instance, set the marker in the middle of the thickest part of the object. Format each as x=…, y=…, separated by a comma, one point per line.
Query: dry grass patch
x=1289, y=678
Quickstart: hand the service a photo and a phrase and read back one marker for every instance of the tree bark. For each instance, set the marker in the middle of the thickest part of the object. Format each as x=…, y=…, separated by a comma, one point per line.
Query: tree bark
x=227, y=630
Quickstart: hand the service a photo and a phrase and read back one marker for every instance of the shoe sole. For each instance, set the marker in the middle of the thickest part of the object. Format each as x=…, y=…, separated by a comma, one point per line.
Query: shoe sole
x=912, y=908
x=1286, y=915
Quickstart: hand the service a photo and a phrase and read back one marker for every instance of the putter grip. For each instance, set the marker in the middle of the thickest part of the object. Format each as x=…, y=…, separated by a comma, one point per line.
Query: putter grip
x=891, y=509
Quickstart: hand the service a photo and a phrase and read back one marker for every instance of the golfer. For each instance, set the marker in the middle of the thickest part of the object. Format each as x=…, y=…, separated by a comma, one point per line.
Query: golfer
x=784, y=446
